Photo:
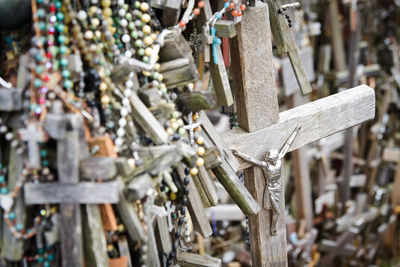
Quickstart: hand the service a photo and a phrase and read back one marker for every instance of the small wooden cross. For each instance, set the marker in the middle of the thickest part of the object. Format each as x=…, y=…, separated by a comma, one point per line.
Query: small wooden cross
x=264, y=128
x=33, y=135
x=170, y=209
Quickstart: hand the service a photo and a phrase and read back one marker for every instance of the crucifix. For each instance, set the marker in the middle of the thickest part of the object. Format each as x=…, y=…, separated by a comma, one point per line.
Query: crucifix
x=33, y=135
x=272, y=167
x=264, y=128
x=170, y=209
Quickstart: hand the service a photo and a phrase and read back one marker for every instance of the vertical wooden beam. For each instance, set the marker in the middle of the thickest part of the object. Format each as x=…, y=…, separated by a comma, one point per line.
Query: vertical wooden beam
x=337, y=36
x=257, y=104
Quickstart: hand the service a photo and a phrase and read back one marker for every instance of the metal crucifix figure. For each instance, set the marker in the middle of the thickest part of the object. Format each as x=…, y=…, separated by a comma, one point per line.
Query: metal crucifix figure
x=271, y=167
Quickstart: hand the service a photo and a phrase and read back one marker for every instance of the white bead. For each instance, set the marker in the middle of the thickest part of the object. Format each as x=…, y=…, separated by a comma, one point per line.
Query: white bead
x=9, y=136
x=123, y=22
x=127, y=92
x=124, y=112
x=126, y=38
x=129, y=84
x=82, y=15
x=118, y=141
x=122, y=12
x=125, y=102
x=187, y=239
x=98, y=35
x=122, y=122
x=3, y=129
x=121, y=2
x=14, y=143
x=128, y=53
x=89, y=35
x=121, y=132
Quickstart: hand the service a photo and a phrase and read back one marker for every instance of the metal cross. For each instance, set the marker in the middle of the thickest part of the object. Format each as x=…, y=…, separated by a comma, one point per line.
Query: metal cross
x=170, y=209
x=190, y=127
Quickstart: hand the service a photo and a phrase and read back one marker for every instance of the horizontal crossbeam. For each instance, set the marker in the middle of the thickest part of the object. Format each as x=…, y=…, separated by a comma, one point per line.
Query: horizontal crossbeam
x=318, y=119
x=82, y=193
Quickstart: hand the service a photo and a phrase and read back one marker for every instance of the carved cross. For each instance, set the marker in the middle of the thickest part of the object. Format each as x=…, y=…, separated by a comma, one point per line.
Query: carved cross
x=170, y=209
x=264, y=128
x=33, y=135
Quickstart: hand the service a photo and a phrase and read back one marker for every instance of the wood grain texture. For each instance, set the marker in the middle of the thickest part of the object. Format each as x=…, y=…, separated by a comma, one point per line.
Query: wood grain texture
x=286, y=44
x=252, y=67
x=225, y=28
x=319, y=119
x=163, y=238
x=147, y=121
x=95, y=245
x=208, y=185
x=196, y=208
x=185, y=259
x=83, y=193
x=95, y=168
x=337, y=37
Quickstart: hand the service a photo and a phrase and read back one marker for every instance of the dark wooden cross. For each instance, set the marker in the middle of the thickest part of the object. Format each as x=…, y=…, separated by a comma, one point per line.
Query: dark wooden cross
x=264, y=128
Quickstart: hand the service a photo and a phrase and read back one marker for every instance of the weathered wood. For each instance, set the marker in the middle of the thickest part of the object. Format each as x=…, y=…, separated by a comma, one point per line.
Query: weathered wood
x=171, y=12
x=212, y=158
x=85, y=192
x=95, y=168
x=162, y=235
x=319, y=119
x=195, y=101
x=251, y=60
x=185, y=259
x=208, y=185
x=196, y=208
x=95, y=246
x=337, y=36
x=129, y=216
x=225, y=212
x=217, y=141
x=225, y=28
x=104, y=145
x=137, y=188
x=12, y=249
x=10, y=99
x=147, y=121
x=150, y=97
x=68, y=173
x=286, y=44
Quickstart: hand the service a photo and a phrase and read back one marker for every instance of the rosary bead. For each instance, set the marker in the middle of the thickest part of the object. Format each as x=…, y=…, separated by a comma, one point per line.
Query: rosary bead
x=200, y=162
x=201, y=151
x=186, y=191
x=186, y=179
x=105, y=3
x=126, y=38
x=121, y=12
x=144, y=7
x=177, y=234
x=95, y=22
x=194, y=171
x=183, y=211
x=200, y=140
x=148, y=40
x=145, y=18
x=146, y=29
x=88, y=35
x=184, y=201
x=107, y=12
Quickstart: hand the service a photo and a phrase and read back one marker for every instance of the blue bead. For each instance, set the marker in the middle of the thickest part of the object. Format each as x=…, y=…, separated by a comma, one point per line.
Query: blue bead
x=45, y=163
x=226, y=5
x=50, y=257
x=43, y=153
x=4, y=190
x=40, y=250
x=218, y=15
x=2, y=178
x=19, y=227
x=46, y=264
x=40, y=259
x=11, y=216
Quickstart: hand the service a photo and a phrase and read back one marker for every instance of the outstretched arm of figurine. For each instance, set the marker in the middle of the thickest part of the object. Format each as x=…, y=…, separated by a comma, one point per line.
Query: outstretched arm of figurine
x=249, y=159
x=289, y=142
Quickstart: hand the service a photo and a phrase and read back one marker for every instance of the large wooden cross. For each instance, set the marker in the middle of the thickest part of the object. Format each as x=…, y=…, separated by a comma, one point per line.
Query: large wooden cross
x=264, y=128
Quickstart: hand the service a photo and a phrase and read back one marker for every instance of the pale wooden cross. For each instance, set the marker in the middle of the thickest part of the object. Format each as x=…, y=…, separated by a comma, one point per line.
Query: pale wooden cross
x=264, y=128
x=170, y=209
x=33, y=135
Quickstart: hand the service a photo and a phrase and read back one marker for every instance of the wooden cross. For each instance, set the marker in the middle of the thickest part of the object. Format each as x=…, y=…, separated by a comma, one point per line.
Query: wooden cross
x=264, y=128
x=33, y=135
x=170, y=209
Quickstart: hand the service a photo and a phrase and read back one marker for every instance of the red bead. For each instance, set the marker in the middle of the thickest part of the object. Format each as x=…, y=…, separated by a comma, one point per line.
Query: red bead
x=52, y=8
x=243, y=7
x=49, y=55
x=196, y=11
x=239, y=13
x=234, y=13
x=200, y=4
x=182, y=24
x=46, y=78
x=232, y=5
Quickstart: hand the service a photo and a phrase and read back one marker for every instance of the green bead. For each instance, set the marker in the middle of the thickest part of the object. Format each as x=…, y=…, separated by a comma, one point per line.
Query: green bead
x=137, y=4
x=53, y=50
x=41, y=13
x=40, y=259
x=126, y=7
x=40, y=250
x=66, y=74
x=45, y=163
x=43, y=153
x=46, y=264
x=64, y=62
x=146, y=59
x=164, y=91
x=2, y=178
x=134, y=34
x=38, y=57
x=37, y=83
x=63, y=49
x=39, y=69
x=131, y=26
x=60, y=16
x=42, y=26
x=40, y=1
x=58, y=4
x=141, y=52
x=19, y=227
x=60, y=27
x=4, y=190
x=68, y=84
x=62, y=39
x=138, y=43
x=128, y=16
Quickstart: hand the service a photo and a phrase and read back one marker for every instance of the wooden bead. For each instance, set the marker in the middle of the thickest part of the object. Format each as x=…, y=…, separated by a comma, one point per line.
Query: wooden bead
x=148, y=40
x=146, y=18
x=200, y=140
x=146, y=29
x=194, y=171
x=105, y=99
x=201, y=151
x=200, y=162
x=144, y=6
